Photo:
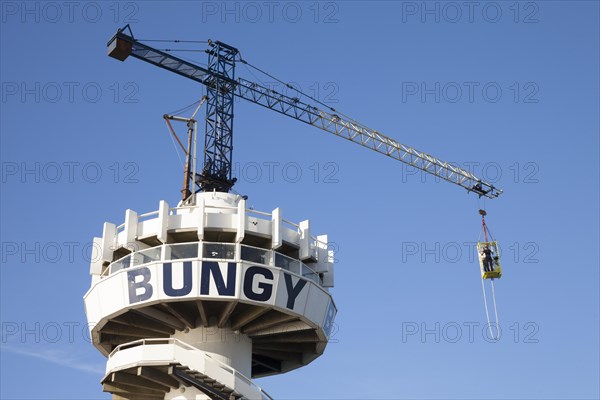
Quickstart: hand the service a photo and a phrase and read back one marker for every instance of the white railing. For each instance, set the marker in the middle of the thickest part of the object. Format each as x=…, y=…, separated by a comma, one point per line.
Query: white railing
x=226, y=252
x=250, y=212
x=199, y=354
x=147, y=216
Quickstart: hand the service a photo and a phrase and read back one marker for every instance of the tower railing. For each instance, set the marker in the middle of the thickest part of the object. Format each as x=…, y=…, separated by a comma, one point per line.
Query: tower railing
x=213, y=251
x=249, y=211
x=207, y=360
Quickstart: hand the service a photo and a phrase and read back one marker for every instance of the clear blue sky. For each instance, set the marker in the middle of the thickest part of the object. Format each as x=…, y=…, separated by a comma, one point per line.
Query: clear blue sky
x=509, y=88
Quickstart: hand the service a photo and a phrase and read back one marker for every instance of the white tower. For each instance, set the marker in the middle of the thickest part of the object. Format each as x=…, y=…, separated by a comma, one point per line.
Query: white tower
x=192, y=302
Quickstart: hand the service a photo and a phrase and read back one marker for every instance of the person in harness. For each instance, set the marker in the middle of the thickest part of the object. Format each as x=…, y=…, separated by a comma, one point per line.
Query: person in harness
x=487, y=257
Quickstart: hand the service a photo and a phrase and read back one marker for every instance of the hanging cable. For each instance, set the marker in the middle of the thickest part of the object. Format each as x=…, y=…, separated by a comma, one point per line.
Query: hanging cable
x=487, y=314
x=173, y=41
x=485, y=235
x=189, y=106
x=172, y=50
x=490, y=232
x=495, y=309
x=296, y=89
x=175, y=147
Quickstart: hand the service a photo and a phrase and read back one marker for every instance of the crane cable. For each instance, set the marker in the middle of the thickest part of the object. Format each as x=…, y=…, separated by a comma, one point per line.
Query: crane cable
x=175, y=147
x=172, y=41
x=495, y=310
x=487, y=314
x=296, y=89
x=173, y=135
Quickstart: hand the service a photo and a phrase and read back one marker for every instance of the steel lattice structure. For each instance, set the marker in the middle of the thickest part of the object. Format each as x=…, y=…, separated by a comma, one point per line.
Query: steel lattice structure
x=218, y=139
x=222, y=87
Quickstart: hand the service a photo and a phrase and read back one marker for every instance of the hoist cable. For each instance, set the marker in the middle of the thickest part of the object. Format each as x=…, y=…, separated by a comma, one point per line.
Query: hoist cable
x=175, y=147
x=172, y=50
x=186, y=107
x=173, y=41
x=487, y=314
x=495, y=309
x=297, y=90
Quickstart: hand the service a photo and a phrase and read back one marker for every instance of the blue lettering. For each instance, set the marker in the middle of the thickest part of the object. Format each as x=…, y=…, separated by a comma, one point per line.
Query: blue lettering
x=212, y=268
x=267, y=288
x=134, y=297
x=168, y=279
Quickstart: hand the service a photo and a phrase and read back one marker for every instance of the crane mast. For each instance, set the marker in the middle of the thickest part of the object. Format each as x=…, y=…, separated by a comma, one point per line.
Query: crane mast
x=218, y=139
x=222, y=86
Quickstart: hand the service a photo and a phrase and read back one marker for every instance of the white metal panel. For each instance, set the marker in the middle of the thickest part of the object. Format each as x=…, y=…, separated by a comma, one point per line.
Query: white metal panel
x=259, y=227
x=200, y=211
x=109, y=236
x=163, y=221
x=131, y=225
x=107, y=297
x=317, y=304
x=220, y=221
x=276, y=229
x=328, y=276
x=96, y=257
x=241, y=221
x=188, y=219
x=305, y=240
x=322, y=254
x=290, y=236
x=148, y=228
x=174, y=222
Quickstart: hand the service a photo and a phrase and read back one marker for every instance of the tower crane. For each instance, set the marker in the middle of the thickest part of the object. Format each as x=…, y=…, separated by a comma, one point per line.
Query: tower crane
x=223, y=86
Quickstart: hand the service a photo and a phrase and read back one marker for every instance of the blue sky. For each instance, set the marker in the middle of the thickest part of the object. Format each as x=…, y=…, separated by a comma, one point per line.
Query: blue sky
x=510, y=89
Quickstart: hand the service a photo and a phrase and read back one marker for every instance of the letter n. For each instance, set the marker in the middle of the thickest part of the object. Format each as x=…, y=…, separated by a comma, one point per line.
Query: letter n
x=212, y=268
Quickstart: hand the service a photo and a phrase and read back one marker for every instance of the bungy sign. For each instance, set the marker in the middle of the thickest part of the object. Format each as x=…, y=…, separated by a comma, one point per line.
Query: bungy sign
x=217, y=280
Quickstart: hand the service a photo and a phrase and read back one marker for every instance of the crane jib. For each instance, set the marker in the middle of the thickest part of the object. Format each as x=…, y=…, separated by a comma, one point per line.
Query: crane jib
x=221, y=81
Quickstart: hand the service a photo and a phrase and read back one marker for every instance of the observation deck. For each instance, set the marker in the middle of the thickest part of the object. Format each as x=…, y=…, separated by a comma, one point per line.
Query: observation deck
x=246, y=288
